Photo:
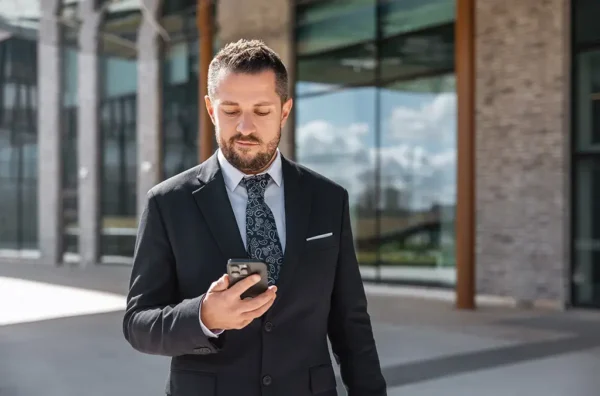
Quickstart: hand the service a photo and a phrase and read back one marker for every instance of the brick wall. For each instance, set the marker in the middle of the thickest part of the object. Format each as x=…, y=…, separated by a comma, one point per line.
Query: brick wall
x=522, y=148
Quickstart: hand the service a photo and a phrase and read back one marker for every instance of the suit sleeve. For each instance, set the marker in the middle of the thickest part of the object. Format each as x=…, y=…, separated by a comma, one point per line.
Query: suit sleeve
x=349, y=326
x=155, y=322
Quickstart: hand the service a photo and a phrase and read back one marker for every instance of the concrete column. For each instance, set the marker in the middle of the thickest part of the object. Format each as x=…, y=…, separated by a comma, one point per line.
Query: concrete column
x=88, y=129
x=149, y=103
x=522, y=149
x=273, y=22
x=50, y=203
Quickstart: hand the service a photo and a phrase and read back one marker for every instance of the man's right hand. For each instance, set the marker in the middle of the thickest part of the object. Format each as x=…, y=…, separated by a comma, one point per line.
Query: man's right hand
x=222, y=308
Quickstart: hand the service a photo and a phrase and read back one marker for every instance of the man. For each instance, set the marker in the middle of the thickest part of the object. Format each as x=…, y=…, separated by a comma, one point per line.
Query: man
x=247, y=194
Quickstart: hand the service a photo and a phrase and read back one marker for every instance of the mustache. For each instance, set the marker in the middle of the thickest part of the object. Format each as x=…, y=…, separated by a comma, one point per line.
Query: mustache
x=246, y=139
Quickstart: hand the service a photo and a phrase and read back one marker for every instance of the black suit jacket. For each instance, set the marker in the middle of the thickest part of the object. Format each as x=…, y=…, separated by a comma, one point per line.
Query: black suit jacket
x=186, y=235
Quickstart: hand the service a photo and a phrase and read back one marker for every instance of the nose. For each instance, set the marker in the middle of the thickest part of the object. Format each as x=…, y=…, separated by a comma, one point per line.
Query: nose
x=246, y=125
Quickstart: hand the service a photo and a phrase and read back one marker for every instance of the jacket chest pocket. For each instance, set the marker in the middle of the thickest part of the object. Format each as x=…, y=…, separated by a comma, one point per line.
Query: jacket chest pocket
x=322, y=241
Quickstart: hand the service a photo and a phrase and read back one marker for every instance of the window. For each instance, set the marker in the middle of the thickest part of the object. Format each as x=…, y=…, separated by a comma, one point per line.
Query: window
x=586, y=155
x=18, y=142
x=118, y=122
x=69, y=146
x=327, y=25
x=376, y=112
x=181, y=87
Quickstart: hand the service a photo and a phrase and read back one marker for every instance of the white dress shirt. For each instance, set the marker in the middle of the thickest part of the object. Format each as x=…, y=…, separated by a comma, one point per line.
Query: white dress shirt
x=238, y=197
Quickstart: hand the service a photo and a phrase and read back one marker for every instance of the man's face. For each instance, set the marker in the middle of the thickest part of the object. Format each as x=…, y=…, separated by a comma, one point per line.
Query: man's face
x=248, y=116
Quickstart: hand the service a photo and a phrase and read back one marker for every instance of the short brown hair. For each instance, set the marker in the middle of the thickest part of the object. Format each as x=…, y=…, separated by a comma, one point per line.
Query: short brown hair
x=249, y=56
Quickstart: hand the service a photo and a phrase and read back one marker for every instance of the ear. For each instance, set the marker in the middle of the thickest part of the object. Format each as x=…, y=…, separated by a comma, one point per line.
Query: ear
x=210, y=108
x=285, y=111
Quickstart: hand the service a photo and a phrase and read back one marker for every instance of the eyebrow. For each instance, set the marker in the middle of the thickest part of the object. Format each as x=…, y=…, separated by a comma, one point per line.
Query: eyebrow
x=230, y=103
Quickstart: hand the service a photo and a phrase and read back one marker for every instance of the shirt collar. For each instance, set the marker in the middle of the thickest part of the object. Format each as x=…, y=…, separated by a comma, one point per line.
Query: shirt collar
x=233, y=176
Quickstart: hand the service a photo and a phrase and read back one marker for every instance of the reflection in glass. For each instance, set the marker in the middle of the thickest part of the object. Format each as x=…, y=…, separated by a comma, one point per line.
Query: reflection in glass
x=335, y=136
x=181, y=86
x=587, y=101
x=585, y=28
x=418, y=54
x=118, y=68
x=377, y=114
x=347, y=66
x=70, y=182
x=401, y=16
x=586, y=272
x=69, y=149
x=333, y=24
x=586, y=244
x=180, y=104
x=18, y=136
x=418, y=181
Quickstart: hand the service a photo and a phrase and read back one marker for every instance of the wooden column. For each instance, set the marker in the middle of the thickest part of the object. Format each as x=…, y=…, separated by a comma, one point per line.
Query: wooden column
x=205, y=51
x=465, y=207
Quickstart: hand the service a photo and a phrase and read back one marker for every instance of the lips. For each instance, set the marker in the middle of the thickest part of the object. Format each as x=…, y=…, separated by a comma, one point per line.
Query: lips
x=246, y=143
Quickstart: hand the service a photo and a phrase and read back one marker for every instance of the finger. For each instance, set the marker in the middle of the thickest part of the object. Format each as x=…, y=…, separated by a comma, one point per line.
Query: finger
x=220, y=284
x=244, y=284
x=271, y=289
x=260, y=311
x=257, y=302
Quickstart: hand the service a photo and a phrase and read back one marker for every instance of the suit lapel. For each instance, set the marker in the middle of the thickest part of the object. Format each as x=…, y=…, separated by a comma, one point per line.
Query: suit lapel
x=297, y=197
x=213, y=201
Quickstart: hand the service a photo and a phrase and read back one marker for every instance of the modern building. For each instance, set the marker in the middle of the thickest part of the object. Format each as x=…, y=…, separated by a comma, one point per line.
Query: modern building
x=466, y=131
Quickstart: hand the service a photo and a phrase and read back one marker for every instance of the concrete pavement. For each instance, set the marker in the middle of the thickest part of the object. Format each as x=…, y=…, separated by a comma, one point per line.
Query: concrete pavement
x=69, y=342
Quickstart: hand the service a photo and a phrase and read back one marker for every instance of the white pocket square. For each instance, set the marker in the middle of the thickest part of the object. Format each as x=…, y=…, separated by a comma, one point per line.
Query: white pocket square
x=319, y=236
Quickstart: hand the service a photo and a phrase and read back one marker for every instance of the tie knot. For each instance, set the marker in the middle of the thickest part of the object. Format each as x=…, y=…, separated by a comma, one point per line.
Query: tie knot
x=256, y=185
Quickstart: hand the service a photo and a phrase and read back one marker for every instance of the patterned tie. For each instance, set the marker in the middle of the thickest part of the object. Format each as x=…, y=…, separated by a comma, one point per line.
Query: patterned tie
x=262, y=239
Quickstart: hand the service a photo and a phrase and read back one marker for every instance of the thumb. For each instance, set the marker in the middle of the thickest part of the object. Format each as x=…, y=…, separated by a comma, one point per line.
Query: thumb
x=220, y=284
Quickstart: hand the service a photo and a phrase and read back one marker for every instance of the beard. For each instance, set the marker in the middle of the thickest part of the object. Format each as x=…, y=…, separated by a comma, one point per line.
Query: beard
x=244, y=163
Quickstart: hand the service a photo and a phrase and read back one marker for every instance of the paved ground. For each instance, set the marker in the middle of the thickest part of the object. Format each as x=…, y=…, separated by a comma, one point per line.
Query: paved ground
x=60, y=334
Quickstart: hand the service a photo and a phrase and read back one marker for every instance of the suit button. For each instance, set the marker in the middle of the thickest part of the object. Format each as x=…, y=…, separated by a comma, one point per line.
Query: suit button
x=267, y=380
x=268, y=327
x=203, y=350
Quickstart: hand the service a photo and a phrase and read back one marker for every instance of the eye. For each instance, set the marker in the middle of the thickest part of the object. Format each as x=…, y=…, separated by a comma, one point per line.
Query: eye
x=263, y=114
x=230, y=113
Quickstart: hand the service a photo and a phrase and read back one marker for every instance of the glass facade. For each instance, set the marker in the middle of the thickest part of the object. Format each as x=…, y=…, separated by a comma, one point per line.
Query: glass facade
x=69, y=139
x=376, y=112
x=586, y=154
x=18, y=130
x=180, y=88
x=375, y=102
x=118, y=113
x=119, y=78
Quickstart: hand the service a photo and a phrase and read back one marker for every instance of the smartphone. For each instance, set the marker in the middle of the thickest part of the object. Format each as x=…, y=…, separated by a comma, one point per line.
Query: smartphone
x=238, y=269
